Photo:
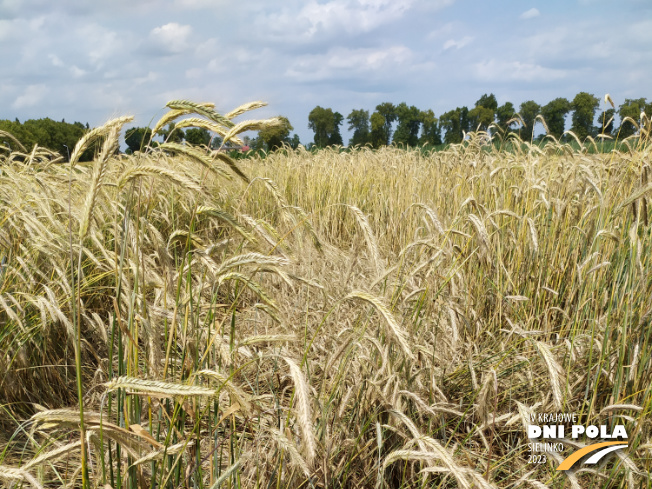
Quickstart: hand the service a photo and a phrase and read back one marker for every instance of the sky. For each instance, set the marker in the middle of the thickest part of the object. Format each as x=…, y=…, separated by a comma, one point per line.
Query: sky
x=89, y=61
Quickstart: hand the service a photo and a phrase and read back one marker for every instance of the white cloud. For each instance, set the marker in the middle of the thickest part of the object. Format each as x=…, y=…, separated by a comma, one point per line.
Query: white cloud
x=444, y=30
x=506, y=71
x=76, y=71
x=101, y=43
x=149, y=78
x=452, y=43
x=640, y=32
x=9, y=8
x=207, y=48
x=11, y=29
x=32, y=95
x=241, y=58
x=198, y=4
x=349, y=63
x=530, y=14
x=37, y=23
x=56, y=61
x=172, y=38
x=334, y=17
x=194, y=73
x=550, y=46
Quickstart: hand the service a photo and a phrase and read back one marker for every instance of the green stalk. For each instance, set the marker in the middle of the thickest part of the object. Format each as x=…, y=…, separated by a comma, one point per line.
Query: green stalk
x=77, y=328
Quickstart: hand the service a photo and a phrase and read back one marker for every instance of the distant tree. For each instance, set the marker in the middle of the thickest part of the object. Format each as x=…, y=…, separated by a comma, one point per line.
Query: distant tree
x=335, y=137
x=58, y=136
x=483, y=114
x=529, y=111
x=322, y=122
x=294, y=141
x=257, y=144
x=450, y=124
x=388, y=111
x=409, y=122
x=465, y=122
x=430, y=130
x=606, y=122
x=171, y=134
x=455, y=123
x=197, y=136
x=20, y=132
x=137, y=138
x=377, y=135
x=480, y=118
x=274, y=136
x=554, y=113
x=584, y=106
x=359, y=123
x=488, y=102
x=504, y=114
x=216, y=142
x=631, y=108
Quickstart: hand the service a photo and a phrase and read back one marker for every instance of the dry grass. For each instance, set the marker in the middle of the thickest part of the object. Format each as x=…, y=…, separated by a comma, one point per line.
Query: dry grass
x=334, y=319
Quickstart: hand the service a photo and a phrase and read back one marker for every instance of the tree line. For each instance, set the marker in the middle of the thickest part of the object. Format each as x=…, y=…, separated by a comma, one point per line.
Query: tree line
x=269, y=138
x=410, y=126
x=60, y=137
x=388, y=124
x=418, y=127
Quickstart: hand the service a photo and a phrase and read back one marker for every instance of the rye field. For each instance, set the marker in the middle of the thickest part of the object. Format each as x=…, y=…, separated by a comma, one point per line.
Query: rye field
x=384, y=318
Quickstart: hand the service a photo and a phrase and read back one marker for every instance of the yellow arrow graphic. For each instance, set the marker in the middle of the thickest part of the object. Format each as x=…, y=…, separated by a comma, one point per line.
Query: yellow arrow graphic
x=570, y=460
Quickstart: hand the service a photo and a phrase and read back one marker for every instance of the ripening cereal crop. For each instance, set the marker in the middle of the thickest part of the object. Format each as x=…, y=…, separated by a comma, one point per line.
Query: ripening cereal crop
x=361, y=318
